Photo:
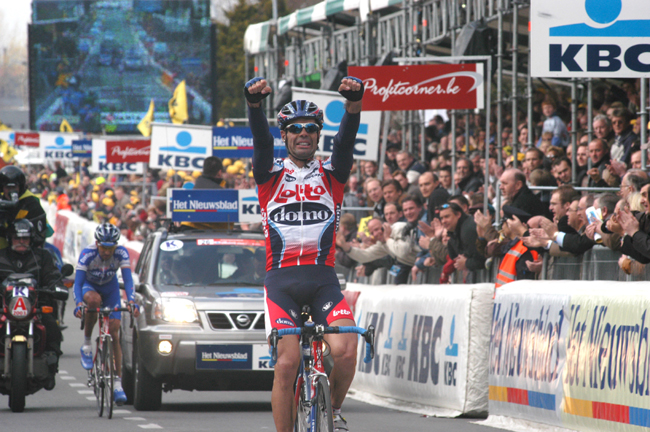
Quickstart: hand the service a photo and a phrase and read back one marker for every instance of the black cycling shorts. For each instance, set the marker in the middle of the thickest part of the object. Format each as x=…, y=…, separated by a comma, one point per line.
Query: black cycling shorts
x=287, y=290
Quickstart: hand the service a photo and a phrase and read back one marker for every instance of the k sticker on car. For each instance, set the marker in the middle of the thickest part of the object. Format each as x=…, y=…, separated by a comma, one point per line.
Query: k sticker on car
x=171, y=245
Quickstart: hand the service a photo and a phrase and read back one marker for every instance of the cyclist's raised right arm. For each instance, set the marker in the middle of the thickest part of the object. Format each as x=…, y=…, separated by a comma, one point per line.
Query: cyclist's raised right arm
x=255, y=91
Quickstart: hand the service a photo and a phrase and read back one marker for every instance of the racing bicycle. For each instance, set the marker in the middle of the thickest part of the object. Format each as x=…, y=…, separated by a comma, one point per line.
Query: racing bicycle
x=102, y=375
x=312, y=399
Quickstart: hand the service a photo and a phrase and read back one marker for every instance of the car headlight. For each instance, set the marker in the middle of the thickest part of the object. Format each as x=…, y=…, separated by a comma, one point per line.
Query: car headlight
x=175, y=310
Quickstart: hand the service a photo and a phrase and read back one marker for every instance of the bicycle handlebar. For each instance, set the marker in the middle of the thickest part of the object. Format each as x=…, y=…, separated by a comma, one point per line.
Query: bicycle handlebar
x=104, y=311
x=368, y=335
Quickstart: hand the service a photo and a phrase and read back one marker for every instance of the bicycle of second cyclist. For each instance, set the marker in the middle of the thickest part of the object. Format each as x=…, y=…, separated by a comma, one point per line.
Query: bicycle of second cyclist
x=102, y=375
x=312, y=399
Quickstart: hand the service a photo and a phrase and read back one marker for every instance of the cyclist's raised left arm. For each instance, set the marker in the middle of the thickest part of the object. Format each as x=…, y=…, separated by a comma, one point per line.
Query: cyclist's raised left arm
x=343, y=147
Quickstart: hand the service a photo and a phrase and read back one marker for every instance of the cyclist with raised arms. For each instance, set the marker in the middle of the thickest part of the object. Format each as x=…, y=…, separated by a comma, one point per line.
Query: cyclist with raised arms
x=301, y=200
x=95, y=286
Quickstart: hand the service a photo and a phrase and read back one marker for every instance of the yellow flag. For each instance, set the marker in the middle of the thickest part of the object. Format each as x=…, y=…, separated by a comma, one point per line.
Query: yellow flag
x=145, y=124
x=4, y=127
x=178, y=104
x=65, y=126
x=8, y=152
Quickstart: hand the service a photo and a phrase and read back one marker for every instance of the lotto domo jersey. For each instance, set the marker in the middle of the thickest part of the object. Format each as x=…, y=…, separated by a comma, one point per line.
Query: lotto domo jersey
x=300, y=213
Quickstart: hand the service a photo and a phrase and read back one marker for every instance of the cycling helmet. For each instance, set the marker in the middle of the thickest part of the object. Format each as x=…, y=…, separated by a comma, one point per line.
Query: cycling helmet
x=299, y=109
x=107, y=234
x=12, y=175
x=21, y=228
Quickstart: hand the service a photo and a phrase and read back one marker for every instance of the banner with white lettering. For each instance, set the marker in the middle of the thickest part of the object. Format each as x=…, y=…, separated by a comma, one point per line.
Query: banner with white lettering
x=366, y=145
x=527, y=353
x=415, y=87
x=237, y=142
x=56, y=145
x=204, y=205
x=590, y=39
x=128, y=151
x=99, y=164
x=423, y=344
x=179, y=147
x=82, y=148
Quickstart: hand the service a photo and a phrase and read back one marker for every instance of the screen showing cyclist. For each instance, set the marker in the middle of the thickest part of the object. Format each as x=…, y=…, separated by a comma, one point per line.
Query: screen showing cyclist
x=96, y=286
x=301, y=200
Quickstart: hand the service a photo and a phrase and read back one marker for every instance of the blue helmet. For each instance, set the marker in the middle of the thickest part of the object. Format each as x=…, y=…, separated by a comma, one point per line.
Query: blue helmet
x=107, y=234
x=299, y=109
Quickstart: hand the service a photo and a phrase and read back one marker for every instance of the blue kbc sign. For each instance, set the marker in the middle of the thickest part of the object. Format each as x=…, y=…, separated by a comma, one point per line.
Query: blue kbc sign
x=214, y=205
x=592, y=38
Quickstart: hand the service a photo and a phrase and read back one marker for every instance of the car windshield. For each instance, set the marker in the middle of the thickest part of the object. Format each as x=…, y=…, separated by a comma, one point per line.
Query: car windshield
x=211, y=262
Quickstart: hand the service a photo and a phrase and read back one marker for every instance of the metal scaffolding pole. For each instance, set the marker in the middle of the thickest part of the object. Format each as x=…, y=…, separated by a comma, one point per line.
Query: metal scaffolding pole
x=644, y=124
x=515, y=57
x=529, y=97
x=574, y=129
x=467, y=133
x=453, y=151
x=499, y=84
x=590, y=114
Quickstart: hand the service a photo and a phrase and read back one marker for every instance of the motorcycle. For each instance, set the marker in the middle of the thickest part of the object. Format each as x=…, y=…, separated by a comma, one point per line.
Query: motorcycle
x=24, y=369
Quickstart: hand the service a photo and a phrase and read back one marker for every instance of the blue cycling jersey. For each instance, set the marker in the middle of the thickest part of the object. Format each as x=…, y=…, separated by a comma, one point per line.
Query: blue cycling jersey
x=91, y=268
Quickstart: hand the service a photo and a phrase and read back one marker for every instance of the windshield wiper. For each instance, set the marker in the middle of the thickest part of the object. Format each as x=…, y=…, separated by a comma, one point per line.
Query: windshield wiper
x=234, y=283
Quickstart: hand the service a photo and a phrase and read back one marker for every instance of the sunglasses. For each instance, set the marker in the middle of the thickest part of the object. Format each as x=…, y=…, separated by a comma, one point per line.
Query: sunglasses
x=297, y=128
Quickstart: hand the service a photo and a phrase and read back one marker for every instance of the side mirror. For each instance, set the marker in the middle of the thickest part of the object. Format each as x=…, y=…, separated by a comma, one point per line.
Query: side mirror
x=67, y=270
x=136, y=279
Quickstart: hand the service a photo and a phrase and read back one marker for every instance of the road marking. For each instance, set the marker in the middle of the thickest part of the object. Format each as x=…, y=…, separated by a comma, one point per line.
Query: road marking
x=92, y=398
x=68, y=377
x=150, y=426
x=86, y=391
x=77, y=385
x=133, y=418
x=121, y=411
x=62, y=372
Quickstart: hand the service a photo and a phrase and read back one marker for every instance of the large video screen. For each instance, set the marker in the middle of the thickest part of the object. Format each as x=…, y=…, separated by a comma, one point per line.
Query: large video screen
x=98, y=64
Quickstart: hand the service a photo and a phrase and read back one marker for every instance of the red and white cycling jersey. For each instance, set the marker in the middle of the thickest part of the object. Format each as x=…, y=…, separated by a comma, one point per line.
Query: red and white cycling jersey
x=300, y=213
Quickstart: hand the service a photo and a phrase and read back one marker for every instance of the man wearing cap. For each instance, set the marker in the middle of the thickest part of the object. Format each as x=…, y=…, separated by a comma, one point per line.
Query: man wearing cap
x=211, y=176
x=515, y=262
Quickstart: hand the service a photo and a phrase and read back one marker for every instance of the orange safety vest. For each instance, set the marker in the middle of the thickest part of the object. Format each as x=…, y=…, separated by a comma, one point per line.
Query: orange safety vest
x=507, y=271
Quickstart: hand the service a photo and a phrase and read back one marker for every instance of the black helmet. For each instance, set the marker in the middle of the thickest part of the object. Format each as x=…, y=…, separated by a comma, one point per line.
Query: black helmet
x=107, y=234
x=21, y=228
x=12, y=175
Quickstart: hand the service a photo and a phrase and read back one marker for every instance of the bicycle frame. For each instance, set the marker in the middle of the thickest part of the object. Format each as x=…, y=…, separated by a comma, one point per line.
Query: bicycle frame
x=311, y=363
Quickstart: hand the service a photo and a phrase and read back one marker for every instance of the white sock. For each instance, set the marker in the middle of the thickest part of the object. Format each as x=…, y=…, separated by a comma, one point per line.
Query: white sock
x=336, y=411
x=117, y=383
x=87, y=341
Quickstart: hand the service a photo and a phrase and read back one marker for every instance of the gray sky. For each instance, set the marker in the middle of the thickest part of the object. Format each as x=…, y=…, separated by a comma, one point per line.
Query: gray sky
x=15, y=15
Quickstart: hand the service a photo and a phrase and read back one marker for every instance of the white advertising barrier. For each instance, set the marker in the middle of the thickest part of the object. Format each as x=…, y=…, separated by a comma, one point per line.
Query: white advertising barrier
x=56, y=146
x=590, y=39
x=99, y=164
x=366, y=145
x=572, y=354
x=72, y=234
x=183, y=147
x=431, y=347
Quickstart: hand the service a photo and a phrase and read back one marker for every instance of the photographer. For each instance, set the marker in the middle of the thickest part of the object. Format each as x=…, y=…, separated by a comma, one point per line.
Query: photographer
x=13, y=188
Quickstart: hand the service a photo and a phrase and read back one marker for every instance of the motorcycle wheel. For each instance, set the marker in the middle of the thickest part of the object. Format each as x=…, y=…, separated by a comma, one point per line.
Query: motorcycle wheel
x=18, y=377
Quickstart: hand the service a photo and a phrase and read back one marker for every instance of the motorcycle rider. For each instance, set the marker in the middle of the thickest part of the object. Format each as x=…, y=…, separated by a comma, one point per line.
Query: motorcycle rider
x=23, y=257
x=12, y=181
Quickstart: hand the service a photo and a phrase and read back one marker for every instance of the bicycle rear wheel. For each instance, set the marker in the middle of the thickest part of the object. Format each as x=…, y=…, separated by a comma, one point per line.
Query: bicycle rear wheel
x=98, y=380
x=302, y=423
x=322, y=410
x=109, y=376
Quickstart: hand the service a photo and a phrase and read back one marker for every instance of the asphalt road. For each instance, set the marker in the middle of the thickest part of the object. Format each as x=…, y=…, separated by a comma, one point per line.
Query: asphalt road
x=71, y=407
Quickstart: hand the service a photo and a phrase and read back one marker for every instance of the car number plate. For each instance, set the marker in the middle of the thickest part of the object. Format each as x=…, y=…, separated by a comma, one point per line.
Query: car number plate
x=232, y=357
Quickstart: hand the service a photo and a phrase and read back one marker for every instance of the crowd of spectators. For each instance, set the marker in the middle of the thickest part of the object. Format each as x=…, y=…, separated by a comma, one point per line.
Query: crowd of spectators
x=417, y=211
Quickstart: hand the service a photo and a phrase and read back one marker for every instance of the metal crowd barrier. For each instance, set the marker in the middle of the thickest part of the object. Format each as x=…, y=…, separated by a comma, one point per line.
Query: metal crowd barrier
x=599, y=263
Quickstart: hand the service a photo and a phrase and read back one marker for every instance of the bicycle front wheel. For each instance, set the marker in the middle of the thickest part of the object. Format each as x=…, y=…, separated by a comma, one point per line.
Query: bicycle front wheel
x=322, y=410
x=302, y=423
x=98, y=380
x=109, y=376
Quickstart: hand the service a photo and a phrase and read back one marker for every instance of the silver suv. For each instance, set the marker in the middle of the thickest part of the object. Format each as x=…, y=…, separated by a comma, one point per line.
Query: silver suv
x=201, y=294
